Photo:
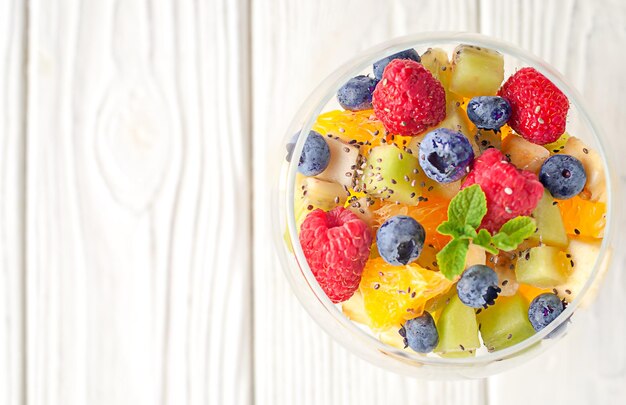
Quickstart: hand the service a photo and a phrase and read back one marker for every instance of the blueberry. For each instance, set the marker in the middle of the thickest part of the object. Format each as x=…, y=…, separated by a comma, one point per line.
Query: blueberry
x=445, y=155
x=563, y=175
x=290, y=145
x=489, y=112
x=420, y=334
x=356, y=94
x=400, y=240
x=478, y=286
x=379, y=67
x=544, y=309
x=315, y=155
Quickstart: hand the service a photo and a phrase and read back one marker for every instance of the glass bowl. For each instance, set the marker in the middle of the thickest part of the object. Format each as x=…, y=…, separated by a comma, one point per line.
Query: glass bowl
x=329, y=316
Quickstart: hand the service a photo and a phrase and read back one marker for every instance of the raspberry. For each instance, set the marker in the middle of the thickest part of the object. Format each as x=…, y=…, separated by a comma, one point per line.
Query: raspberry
x=409, y=99
x=336, y=244
x=538, y=107
x=510, y=192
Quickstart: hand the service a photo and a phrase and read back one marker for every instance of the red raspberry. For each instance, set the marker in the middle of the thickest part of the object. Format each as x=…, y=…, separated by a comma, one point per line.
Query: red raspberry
x=538, y=107
x=336, y=245
x=408, y=99
x=510, y=191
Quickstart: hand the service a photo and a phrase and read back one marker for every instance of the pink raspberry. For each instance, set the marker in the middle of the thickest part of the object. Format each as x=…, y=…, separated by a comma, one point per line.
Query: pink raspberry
x=538, y=107
x=409, y=99
x=336, y=245
x=510, y=192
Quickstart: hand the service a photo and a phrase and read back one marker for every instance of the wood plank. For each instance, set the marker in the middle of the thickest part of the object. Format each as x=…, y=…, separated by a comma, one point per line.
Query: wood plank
x=138, y=215
x=295, y=45
x=12, y=86
x=584, y=40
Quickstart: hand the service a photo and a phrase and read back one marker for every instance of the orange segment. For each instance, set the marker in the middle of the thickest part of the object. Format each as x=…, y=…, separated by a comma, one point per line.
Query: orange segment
x=505, y=131
x=471, y=127
x=394, y=294
x=530, y=292
x=359, y=126
x=583, y=217
x=429, y=213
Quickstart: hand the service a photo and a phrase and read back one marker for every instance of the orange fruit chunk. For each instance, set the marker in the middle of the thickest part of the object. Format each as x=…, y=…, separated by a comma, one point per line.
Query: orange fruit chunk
x=394, y=294
x=530, y=292
x=361, y=127
x=429, y=214
x=505, y=131
x=583, y=217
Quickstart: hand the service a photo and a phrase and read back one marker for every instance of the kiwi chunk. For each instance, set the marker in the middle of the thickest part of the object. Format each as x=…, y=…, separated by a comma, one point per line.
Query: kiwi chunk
x=313, y=193
x=542, y=266
x=437, y=62
x=476, y=71
x=550, y=228
x=506, y=323
x=393, y=174
x=458, y=330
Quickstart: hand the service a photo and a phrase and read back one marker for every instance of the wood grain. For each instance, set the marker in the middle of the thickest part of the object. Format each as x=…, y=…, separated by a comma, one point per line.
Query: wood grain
x=139, y=282
x=295, y=45
x=12, y=87
x=584, y=40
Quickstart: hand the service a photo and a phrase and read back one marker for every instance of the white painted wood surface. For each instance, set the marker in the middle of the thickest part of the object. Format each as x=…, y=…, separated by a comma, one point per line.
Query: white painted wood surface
x=137, y=137
x=12, y=98
x=138, y=216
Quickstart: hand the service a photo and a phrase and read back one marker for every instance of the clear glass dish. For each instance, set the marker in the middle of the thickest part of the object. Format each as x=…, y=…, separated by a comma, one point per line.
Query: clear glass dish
x=329, y=315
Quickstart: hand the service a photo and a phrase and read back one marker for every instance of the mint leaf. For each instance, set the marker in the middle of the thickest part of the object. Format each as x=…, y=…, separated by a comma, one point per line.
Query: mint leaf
x=513, y=232
x=483, y=239
x=469, y=232
x=457, y=231
x=450, y=228
x=451, y=259
x=468, y=207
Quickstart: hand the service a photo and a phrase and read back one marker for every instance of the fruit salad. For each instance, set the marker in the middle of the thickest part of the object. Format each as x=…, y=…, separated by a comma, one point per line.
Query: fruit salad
x=444, y=206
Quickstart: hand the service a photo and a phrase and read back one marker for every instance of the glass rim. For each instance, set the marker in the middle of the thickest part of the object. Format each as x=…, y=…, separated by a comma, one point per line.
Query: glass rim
x=320, y=97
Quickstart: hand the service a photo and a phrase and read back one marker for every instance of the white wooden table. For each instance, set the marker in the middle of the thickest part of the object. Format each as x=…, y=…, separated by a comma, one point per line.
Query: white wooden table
x=135, y=143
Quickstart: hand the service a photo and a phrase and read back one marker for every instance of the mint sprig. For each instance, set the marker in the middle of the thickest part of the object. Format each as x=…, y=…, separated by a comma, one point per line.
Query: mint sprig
x=513, y=232
x=468, y=207
x=465, y=213
x=452, y=257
